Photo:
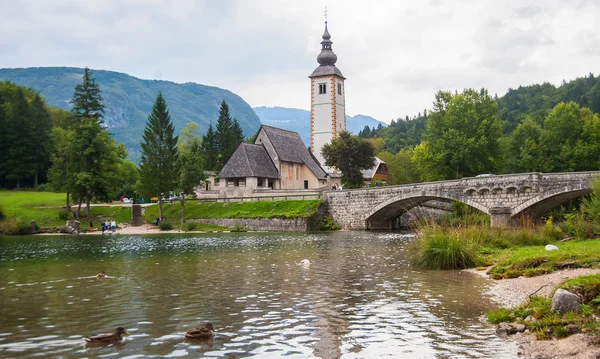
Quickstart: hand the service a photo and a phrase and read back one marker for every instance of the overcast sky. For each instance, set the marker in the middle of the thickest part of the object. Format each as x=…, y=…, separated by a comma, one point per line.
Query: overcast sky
x=394, y=54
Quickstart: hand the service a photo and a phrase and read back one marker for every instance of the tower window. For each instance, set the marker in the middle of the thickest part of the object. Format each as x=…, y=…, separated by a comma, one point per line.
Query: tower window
x=339, y=89
x=322, y=88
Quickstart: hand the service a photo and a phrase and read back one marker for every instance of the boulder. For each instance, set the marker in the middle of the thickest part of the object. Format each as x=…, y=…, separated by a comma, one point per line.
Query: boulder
x=505, y=329
x=551, y=247
x=564, y=301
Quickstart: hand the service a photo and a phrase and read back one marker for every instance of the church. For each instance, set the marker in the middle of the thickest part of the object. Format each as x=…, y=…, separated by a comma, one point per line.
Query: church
x=278, y=160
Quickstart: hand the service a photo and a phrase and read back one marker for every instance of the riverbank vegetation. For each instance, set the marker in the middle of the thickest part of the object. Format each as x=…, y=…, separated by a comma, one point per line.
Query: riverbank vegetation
x=464, y=239
x=537, y=314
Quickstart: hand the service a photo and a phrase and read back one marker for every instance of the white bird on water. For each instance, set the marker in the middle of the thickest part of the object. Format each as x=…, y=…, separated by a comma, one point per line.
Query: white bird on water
x=305, y=263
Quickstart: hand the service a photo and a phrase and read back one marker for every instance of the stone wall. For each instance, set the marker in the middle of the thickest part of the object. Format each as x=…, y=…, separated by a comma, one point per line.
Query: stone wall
x=261, y=224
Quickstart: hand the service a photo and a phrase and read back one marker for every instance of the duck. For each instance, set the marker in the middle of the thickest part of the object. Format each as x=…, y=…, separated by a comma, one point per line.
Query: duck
x=205, y=332
x=107, y=338
x=101, y=275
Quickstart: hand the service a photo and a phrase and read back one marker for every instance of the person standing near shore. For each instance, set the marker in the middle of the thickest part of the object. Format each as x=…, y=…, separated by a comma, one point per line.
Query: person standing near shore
x=91, y=226
x=113, y=225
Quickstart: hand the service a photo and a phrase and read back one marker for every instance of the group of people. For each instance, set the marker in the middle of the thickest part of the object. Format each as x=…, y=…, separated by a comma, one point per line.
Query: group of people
x=108, y=226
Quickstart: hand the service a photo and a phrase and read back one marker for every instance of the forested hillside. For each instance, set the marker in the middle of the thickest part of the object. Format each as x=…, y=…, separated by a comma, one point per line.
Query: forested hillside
x=539, y=128
x=128, y=100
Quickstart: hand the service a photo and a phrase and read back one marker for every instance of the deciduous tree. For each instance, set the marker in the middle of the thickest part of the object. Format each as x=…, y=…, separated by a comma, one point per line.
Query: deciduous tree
x=351, y=155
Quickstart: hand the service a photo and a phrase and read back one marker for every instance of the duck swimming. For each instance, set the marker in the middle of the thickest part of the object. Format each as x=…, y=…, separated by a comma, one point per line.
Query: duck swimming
x=101, y=275
x=205, y=332
x=107, y=338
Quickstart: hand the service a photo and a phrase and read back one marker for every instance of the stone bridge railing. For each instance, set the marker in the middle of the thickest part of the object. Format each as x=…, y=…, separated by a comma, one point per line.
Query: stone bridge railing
x=502, y=197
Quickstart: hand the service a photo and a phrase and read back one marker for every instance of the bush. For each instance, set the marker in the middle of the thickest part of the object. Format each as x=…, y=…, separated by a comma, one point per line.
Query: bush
x=190, y=226
x=165, y=226
x=439, y=249
x=15, y=226
x=327, y=224
x=64, y=214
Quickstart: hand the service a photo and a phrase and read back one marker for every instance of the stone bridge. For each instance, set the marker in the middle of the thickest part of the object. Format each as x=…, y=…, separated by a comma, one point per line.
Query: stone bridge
x=503, y=197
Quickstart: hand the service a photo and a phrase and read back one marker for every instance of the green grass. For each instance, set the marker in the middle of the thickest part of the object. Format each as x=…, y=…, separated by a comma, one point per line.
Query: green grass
x=46, y=207
x=535, y=260
x=267, y=209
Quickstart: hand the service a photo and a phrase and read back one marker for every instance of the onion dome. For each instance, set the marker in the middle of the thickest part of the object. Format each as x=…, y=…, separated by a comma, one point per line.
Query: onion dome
x=326, y=57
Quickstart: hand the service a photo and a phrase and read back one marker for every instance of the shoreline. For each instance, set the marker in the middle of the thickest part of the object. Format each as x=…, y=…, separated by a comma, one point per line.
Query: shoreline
x=515, y=291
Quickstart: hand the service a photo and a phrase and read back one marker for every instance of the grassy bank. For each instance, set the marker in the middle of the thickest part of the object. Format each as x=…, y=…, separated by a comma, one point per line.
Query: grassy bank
x=215, y=210
x=510, y=252
x=538, y=317
x=19, y=208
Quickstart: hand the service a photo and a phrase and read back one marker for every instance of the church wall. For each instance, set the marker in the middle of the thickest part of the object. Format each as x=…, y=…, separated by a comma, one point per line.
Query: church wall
x=293, y=176
x=262, y=138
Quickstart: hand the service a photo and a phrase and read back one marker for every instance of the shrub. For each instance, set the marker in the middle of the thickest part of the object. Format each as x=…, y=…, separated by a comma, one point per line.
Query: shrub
x=15, y=226
x=190, y=226
x=591, y=206
x=500, y=315
x=440, y=249
x=327, y=224
x=165, y=226
x=64, y=214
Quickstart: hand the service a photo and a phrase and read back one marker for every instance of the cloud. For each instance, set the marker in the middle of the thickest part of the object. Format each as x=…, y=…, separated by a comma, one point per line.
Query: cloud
x=395, y=54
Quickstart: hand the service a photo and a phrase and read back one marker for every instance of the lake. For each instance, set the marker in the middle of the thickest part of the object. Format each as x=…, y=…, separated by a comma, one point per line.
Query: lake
x=357, y=296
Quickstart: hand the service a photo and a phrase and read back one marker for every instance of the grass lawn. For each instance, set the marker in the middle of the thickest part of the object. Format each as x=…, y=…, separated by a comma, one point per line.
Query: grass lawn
x=266, y=209
x=46, y=207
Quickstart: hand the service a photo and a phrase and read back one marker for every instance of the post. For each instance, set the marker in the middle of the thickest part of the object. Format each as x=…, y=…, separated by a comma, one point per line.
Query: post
x=500, y=217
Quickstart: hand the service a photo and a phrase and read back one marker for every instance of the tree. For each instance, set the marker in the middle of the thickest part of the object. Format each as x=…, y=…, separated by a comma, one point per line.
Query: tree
x=462, y=136
x=190, y=162
x=159, y=166
x=210, y=150
x=571, y=139
x=351, y=155
x=93, y=151
x=524, y=152
x=401, y=168
x=228, y=135
x=87, y=98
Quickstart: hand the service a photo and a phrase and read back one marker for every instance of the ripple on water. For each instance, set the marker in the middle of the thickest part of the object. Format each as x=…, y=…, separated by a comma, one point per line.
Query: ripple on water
x=358, y=298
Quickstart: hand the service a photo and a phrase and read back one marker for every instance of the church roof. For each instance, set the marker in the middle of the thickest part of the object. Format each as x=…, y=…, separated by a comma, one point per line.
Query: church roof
x=325, y=70
x=249, y=160
x=290, y=148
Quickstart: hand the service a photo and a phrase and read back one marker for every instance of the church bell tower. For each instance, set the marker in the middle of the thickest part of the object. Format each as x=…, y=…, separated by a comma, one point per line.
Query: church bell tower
x=327, y=104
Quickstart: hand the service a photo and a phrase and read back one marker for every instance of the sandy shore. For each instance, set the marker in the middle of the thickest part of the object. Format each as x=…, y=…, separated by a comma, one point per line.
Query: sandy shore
x=516, y=291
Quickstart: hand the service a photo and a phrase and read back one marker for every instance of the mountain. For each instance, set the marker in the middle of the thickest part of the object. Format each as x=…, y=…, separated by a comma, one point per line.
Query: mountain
x=298, y=120
x=128, y=100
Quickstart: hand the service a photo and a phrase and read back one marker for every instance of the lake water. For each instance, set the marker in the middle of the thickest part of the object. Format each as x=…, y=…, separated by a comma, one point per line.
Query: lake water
x=358, y=298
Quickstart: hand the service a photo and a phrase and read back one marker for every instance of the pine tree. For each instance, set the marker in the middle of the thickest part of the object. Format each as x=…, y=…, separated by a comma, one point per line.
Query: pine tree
x=87, y=98
x=224, y=135
x=210, y=150
x=159, y=167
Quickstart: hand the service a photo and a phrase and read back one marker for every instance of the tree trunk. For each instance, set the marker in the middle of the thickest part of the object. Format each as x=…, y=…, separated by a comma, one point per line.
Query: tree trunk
x=160, y=211
x=68, y=205
x=35, y=180
x=182, y=209
x=79, y=208
x=88, y=211
x=18, y=183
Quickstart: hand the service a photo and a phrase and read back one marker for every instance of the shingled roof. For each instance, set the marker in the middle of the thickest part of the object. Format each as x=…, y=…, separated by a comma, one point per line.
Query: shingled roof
x=290, y=148
x=249, y=160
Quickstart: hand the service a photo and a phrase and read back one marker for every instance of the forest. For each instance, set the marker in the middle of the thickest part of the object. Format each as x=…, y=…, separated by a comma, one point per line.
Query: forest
x=537, y=128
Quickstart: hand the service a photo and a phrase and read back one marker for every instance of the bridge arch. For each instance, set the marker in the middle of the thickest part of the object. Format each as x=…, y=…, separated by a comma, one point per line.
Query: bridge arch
x=382, y=215
x=546, y=201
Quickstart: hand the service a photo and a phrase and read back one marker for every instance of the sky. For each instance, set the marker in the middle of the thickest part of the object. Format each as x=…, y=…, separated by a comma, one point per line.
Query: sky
x=395, y=54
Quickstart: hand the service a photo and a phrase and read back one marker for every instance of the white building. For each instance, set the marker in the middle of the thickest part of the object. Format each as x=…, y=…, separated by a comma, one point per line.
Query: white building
x=327, y=104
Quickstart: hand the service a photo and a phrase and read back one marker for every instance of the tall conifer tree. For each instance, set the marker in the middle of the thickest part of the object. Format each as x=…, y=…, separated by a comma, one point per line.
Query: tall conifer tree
x=159, y=167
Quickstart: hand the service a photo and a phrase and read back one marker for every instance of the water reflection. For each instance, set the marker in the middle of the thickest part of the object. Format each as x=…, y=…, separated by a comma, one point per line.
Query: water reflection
x=358, y=298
